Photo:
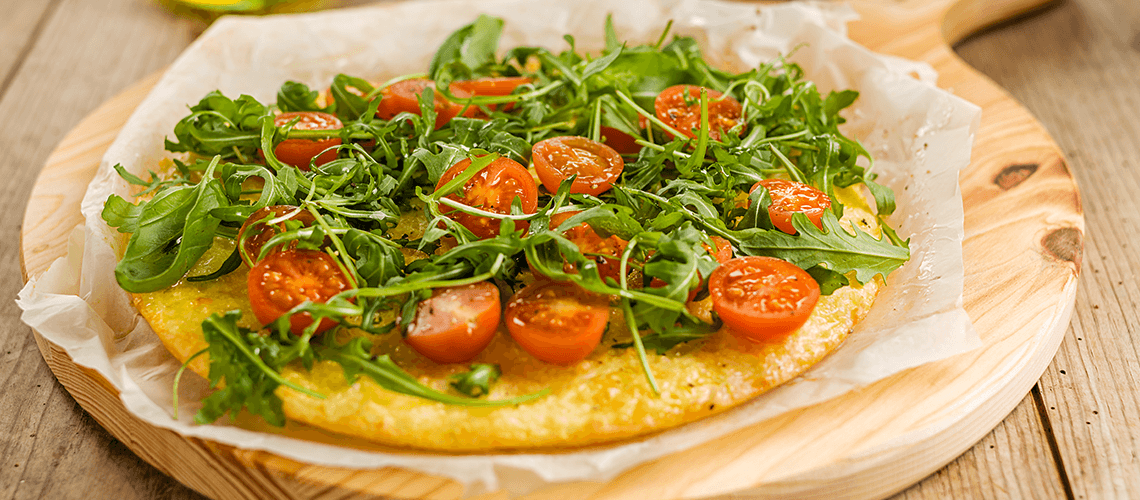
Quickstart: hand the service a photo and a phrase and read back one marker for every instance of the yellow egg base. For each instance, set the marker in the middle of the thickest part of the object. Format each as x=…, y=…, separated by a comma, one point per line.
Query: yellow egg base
x=601, y=399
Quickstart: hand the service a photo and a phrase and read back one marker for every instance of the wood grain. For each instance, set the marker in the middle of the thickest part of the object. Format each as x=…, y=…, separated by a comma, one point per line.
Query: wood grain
x=276, y=469
x=1013, y=461
x=57, y=64
x=1078, y=73
x=19, y=29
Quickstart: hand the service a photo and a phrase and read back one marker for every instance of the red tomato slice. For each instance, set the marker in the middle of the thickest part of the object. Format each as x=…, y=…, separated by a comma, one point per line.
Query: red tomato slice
x=722, y=253
x=285, y=279
x=679, y=106
x=492, y=190
x=620, y=141
x=254, y=233
x=789, y=197
x=301, y=152
x=607, y=250
x=762, y=298
x=497, y=86
x=490, y=86
x=456, y=323
x=558, y=323
x=597, y=165
x=404, y=96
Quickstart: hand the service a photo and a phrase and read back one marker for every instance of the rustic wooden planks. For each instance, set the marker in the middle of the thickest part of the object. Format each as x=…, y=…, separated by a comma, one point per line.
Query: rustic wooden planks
x=60, y=59
x=1105, y=451
x=1077, y=71
x=19, y=30
x=1013, y=461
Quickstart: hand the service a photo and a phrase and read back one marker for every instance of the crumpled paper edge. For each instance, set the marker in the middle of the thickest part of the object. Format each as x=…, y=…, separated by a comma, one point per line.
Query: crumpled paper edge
x=919, y=135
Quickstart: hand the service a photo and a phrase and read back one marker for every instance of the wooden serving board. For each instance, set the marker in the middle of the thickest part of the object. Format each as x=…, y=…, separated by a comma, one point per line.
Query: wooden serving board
x=1022, y=251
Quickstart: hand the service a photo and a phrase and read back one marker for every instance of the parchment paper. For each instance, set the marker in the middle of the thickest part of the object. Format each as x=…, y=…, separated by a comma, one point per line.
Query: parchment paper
x=919, y=135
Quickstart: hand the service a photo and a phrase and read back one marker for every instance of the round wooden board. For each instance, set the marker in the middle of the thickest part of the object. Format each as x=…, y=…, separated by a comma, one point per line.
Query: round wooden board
x=1023, y=246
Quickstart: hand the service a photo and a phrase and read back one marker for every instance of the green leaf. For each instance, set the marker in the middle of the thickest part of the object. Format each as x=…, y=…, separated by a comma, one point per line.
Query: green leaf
x=355, y=358
x=884, y=197
x=607, y=220
x=663, y=342
x=122, y=214
x=645, y=72
x=832, y=247
x=220, y=126
x=477, y=381
x=612, y=41
x=248, y=362
x=294, y=96
x=829, y=281
x=473, y=45
x=836, y=101
x=600, y=64
x=173, y=231
x=349, y=105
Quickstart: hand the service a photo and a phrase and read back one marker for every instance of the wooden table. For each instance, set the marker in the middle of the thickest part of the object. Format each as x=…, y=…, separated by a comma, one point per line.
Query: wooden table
x=1074, y=65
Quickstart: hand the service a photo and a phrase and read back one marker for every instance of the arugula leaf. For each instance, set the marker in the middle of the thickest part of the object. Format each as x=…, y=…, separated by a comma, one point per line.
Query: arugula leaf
x=173, y=231
x=644, y=72
x=295, y=96
x=122, y=214
x=663, y=342
x=884, y=198
x=218, y=125
x=477, y=381
x=248, y=362
x=832, y=246
x=473, y=45
x=829, y=281
x=612, y=41
x=834, y=103
x=606, y=220
x=355, y=358
x=349, y=105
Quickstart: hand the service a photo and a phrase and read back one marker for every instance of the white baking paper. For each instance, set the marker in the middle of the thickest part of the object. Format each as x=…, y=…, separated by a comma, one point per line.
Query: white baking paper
x=919, y=135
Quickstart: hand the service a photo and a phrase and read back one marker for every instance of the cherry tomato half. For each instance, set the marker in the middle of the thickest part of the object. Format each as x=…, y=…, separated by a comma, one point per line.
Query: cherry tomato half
x=254, y=233
x=606, y=252
x=492, y=86
x=620, y=141
x=679, y=106
x=404, y=96
x=492, y=190
x=762, y=298
x=301, y=152
x=596, y=165
x=285, y=279
x=789, y=197
x=721, y=251
x=558, y=323
x=456, y=323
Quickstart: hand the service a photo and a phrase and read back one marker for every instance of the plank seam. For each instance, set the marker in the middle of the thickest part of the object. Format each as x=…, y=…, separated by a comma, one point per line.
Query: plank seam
x=49, y=13
x=1039, y=402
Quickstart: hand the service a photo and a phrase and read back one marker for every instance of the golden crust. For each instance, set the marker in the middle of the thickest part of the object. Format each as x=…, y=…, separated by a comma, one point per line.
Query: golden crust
x=603, y=398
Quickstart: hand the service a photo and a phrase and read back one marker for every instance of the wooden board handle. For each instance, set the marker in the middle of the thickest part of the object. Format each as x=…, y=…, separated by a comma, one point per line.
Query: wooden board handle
x=966, y=17
x=887, y=24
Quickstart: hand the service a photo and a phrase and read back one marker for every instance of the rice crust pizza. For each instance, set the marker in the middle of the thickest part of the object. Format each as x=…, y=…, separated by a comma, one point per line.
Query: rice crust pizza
x=531, y=251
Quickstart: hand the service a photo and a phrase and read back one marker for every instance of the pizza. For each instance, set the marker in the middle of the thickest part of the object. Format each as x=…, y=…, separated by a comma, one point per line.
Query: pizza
x=533, y=250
